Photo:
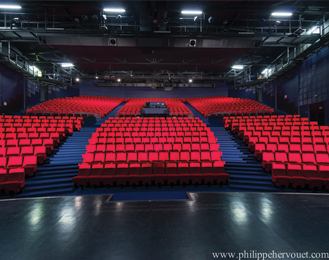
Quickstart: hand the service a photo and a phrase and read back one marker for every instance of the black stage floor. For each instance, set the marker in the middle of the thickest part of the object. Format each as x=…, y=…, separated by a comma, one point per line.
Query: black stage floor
x=90, y=227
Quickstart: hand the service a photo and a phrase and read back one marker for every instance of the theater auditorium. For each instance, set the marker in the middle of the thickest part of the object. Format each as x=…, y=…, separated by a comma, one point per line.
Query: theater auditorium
x=164, y=129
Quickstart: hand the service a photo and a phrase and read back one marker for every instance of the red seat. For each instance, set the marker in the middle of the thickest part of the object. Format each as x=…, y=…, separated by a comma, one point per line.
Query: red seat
x=308, y=158
x=174, y=156
x=268, y=159
x=40, y=152
x=30, y=165
x=15, y=162
x=15, y=181
x=142, y=157
x=322, y=158
x=153, y=157
x=96, y=173
x=281, y=157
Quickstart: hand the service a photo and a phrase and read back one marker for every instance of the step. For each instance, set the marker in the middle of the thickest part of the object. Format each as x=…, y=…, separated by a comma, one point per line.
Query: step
x=45, y=182
x=48, y=167
x=55, y=176
x=45, y=193
x=49, y=187
x=252, y=169
x=243, y=164
x=250, y=177
x=265, y=183
x=60, y=163
x=63, y=170
x=254, y=188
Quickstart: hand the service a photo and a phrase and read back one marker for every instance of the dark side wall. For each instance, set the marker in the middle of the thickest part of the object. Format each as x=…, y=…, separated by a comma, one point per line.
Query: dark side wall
x=14, y=86
x=88, y=88
x=301, y=87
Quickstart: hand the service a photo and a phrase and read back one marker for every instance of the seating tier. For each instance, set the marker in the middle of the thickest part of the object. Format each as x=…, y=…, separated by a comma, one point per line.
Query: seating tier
x=82, y=106
x=224, y=106
x=25, y=142
x=294, y=149
x=151, y=151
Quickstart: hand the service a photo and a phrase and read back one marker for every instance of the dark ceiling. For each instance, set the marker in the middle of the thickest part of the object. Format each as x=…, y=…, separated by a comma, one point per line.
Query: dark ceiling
x=153, y=36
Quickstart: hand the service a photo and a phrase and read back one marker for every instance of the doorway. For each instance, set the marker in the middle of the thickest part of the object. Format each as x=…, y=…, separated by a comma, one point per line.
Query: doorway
x=317, y=113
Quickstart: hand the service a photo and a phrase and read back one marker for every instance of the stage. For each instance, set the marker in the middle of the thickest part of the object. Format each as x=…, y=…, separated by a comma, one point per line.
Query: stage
x=92, y=227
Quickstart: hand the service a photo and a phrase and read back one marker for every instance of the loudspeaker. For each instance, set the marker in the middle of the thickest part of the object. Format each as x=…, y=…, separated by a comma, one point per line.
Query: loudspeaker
x=113, y=42
x=192, y=43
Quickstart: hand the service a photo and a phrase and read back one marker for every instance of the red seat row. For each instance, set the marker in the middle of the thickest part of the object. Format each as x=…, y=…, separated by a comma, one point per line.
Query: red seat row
x=134, y=106
x=112, y=155
x=223, y=106
x=153, y=140
x=40, y=121
x=297, y=155
x=135, y=147
x=172, y=173
x=39, y=151
x=132, y=157
x=82, y=105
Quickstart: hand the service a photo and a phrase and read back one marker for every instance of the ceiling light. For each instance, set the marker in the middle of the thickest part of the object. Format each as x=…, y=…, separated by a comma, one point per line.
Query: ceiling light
x=190, y=80
x=10, y=6
x=315, y=29
x=77, y=79
x=281, y=14
x=96, y=77
x=66, y=65
x=114, y=10
x=265, y=71
x=238, y=67
x=191, y=12
x=119, y=80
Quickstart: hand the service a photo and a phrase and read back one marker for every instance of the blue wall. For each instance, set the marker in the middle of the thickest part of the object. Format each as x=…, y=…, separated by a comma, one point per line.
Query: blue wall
x=88, y=88
x=241, y=93
x=62, y=92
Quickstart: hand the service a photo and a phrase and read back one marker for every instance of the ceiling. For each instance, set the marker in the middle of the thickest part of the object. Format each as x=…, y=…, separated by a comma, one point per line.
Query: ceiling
x=153, y=37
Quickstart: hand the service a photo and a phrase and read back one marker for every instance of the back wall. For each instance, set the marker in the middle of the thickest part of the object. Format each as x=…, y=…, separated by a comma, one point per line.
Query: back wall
x=88, y=88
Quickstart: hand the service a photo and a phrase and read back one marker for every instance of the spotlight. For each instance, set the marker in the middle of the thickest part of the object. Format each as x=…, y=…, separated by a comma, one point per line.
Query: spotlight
x=15, y=21
x=77, y=79
x=190, y=80
x=96, y=77
x=237, y=67
x=119, y=80
x=66, y=65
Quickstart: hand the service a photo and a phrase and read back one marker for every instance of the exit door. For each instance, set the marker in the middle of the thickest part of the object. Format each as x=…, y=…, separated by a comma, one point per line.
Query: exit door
x=317, y=112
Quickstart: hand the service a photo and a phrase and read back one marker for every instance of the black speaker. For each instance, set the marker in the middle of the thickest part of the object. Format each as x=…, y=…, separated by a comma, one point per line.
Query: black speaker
x=192, y=43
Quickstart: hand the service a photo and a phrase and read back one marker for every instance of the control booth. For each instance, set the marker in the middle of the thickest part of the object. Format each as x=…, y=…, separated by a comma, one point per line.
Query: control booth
x=152, y=109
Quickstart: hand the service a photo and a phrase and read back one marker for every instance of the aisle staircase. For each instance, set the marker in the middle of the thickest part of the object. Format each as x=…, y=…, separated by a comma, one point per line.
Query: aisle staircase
x=246, y=173
x=54, y=177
